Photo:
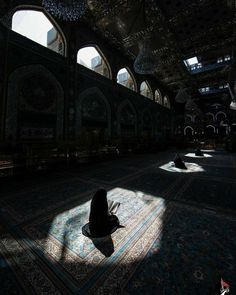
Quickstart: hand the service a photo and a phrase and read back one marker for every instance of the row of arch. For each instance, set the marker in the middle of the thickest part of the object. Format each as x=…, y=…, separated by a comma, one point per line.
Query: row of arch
x=210, y=130
x=94, y=110
x=210, y=117
x=89, y=56
x=45, y=118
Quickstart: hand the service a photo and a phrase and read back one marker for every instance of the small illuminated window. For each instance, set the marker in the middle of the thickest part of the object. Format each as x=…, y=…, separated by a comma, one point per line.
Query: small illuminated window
x=158, y=96
x=199, y=65
x=90, y=58
x=227, y=58
x=219, y=60
x=166, y=101
x=124, y=78
x=192, y=61
x=145, y=90
x=204, y=89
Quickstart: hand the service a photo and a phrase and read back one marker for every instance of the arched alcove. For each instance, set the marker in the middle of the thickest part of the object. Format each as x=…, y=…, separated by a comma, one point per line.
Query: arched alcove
x=92, y=58
x=127, y=120
x=35, y=105
x=146, y=90
x=125, y=78
x=147, y=124
x=197, y=119
x=220, y=116
x=38, y=27
x=188, y=119
x=93, y=117
x=188, y=131
x=209, y=117
x=210, y=131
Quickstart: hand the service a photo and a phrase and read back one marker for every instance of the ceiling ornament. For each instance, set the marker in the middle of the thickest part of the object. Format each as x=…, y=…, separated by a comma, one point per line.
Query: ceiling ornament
x=182, y=96
x=145, y=61
x=68, y=10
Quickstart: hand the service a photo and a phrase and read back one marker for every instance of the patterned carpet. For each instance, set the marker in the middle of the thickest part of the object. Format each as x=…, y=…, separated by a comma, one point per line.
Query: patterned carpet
x=171, y=242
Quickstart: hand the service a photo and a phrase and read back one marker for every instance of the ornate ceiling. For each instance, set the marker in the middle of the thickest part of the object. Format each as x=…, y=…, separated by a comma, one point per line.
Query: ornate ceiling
x=177, y=30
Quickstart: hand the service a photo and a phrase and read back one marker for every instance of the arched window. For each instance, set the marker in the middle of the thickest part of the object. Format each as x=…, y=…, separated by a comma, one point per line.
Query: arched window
x=166, y=102
x=158, y=96
x=94, y=121
x=93, y=59
x=125, y=78
x=145, y=90
x=36, y=26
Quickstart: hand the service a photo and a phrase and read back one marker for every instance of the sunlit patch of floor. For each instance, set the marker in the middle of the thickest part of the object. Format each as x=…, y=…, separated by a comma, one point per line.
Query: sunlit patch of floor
x=192, y=155
x=209, y=151
x=155, y=251
x=65, y=233
x=191, y=168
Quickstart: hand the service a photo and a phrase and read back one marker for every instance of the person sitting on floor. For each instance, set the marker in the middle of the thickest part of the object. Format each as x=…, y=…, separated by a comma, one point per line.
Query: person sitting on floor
x=102, y=221
x=198, y=152
x=179, y=163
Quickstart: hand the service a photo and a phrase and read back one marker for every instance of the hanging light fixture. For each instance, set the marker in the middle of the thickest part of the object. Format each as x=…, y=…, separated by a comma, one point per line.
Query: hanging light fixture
x=68, y=10
x=182, y=96
x=144, y=62
x=232, y=105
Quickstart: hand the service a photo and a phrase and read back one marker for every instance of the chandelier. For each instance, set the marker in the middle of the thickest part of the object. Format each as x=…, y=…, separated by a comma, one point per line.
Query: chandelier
x=182, y=96
x=145, y=62
x=68, y=10
x=232, y=105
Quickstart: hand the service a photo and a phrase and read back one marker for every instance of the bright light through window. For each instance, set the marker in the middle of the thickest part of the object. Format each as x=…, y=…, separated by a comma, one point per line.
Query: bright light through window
x=90, y=58
x=192, y=61
x=85, y=56
x=32, y=24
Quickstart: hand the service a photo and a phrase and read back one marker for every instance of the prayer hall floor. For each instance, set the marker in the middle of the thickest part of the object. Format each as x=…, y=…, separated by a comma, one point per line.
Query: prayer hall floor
x=179, y=234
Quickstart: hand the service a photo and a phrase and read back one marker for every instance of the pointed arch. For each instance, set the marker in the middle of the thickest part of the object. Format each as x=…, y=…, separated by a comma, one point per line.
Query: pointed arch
x=35, y=92
x=126, y=119
x=126, y=78
x=92, y=57
x=188, y=128
x=158, y=96
x=146, y=90
x=147, y=123
x=210, y=117
x=188, y=119
x=208, y=127
x=220, y=113
x=166, y=101
x=93, y=106
x=23, y=17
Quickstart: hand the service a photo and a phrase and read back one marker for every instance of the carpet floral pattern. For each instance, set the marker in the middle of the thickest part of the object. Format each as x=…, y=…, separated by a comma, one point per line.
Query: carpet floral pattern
x=167, y=245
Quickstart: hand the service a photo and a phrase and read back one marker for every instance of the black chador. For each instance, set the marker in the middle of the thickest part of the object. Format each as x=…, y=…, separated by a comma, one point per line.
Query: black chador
x=179, y=163
x=102, y=221
x=198, y=153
